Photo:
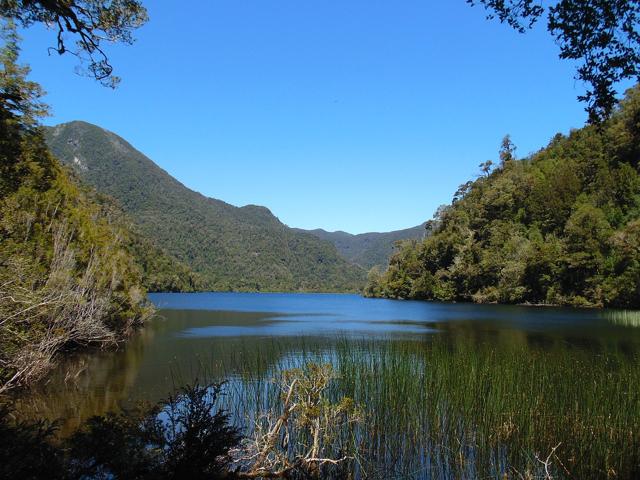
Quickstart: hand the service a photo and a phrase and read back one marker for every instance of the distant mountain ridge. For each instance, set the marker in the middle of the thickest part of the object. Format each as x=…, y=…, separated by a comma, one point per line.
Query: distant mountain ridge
x=368, y=249
x=231, y=248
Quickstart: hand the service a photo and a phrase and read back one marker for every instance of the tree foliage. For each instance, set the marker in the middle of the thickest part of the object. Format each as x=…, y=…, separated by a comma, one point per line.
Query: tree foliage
x=558, y=227
x=601, y=35
x=67, y=278
x=89, y=23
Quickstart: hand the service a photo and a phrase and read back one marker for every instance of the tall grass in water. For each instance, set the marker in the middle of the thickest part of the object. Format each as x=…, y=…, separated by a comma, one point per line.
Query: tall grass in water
x=443, y=409
x=625, y=318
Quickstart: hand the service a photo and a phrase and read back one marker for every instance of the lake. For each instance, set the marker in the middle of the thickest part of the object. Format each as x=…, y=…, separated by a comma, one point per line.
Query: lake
x=447, y=390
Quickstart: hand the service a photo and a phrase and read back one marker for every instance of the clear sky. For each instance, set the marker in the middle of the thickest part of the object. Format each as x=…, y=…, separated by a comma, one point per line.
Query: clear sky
x=344, y=115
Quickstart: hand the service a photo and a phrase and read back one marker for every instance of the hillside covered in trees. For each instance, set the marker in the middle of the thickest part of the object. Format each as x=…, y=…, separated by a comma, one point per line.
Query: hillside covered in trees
x=231, y=248
x=67, y=277
x=159, y=270
x=559, y=227
x=368, y=249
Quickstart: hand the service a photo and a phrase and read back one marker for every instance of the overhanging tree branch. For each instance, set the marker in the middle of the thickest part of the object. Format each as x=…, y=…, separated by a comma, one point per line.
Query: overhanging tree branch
x=83, y=26
x=601, y=35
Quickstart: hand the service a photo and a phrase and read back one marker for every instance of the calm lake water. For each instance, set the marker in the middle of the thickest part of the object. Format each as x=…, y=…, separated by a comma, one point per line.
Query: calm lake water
x=231, y=335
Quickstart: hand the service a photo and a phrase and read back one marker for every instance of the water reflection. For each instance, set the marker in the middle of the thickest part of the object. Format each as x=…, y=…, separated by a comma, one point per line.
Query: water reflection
x=625, y=318
x=202, y=335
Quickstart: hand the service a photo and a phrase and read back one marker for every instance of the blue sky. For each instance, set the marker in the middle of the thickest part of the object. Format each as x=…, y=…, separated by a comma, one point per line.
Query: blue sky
x=344, y=115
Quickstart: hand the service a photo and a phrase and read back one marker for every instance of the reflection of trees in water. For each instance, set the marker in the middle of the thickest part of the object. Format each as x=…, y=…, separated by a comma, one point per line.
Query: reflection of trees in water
x=250, y=357
x=624, y=318
x=86, y=385
x=161, y=357
x=481, y=333
x=595, y=338
x=152, y=364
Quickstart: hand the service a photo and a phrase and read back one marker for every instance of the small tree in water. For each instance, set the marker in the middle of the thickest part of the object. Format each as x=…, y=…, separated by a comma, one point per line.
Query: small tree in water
x=307, y=439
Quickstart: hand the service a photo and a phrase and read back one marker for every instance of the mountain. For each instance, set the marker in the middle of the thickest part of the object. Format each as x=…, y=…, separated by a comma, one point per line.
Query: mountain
x=231, y=248
x=561, y=226
x=368, y=249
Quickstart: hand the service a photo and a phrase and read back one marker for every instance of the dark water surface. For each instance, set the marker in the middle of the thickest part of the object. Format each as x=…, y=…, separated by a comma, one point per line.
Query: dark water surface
x=195, y=334
x=222, y=335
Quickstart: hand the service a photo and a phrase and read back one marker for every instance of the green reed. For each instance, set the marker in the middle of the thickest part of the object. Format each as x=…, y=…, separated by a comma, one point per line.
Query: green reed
x=459, y=409
x=624, y=318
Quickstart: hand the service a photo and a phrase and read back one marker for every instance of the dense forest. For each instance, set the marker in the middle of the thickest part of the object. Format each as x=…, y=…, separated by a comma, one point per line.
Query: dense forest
x=230, y=248
x=74, y=270
x=159, y=270
x=67, y=277
x=561, y=226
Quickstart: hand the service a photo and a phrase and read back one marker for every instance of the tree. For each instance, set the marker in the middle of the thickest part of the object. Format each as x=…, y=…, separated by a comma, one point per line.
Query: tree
x=507, y=151
x=486, y=167
x=602, y=35
x=560, y=227
x=462, y=191
x=20, y=108
x=90, y=23
x=19, y=97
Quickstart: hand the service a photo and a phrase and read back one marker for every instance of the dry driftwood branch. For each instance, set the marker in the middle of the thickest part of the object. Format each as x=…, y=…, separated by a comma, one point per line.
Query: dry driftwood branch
x=547, y=462
x=306, y=414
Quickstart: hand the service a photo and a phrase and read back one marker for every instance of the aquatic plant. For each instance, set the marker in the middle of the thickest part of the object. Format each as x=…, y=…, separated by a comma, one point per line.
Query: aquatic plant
x=462, y=409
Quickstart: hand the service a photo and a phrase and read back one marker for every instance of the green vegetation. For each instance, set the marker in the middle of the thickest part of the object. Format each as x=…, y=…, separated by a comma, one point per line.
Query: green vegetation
x=230, y=248
x=66, y=276
x=477, y=399
x=185, y=436
x=480, y=411
x=457, y=406
x=190, y=436
x=463, y=404
x=161, y=272
x=368, y=249
x=559, y=227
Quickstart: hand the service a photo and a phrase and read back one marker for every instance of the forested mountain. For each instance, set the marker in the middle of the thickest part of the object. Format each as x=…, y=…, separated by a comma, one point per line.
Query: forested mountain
x=368, y=249
x=240, y=248
x=159, y=270
x=559, y=227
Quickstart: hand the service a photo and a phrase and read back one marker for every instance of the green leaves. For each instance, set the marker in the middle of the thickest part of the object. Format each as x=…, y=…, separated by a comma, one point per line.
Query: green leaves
x=559, y=227
x=66, y=276
x=90, y=23
x=602, y=36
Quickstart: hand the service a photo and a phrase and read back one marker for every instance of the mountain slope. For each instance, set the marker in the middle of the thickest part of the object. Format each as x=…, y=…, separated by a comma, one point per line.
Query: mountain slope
x=240, y=248
x=368, y=249
x=559, y=227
